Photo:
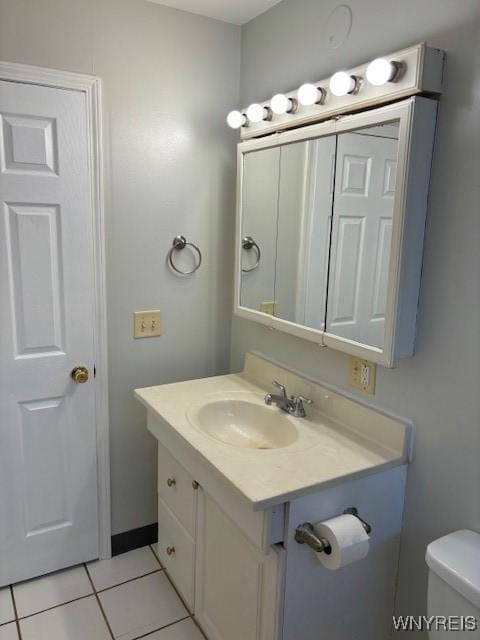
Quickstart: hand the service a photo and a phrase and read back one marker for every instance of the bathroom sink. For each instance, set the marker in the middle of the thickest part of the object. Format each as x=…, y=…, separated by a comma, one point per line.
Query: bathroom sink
x=245, y=424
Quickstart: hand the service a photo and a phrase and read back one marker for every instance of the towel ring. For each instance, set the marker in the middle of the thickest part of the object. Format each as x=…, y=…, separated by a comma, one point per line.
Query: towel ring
x=249, y=243
x=179, y=243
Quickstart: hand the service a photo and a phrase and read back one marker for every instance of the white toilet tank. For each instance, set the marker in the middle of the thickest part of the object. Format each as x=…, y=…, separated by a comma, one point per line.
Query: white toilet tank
x=454, y=585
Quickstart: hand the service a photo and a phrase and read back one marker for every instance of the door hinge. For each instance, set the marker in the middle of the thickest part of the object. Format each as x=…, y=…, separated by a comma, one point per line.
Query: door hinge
x=94, y=370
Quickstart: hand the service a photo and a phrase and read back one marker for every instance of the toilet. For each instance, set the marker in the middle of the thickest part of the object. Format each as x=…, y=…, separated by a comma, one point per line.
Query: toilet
x=454, y=584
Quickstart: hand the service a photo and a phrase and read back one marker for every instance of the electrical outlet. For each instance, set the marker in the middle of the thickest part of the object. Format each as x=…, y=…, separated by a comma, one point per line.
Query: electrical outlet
x=269, y=306
x=362, y=375
x=146, y=324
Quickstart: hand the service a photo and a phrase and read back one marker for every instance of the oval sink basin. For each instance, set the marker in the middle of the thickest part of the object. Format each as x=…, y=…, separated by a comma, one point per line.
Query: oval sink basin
x=244, y=424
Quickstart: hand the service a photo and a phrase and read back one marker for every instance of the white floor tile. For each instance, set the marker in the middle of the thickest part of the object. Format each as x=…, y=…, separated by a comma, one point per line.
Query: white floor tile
x=80, y=620
x=141, y=606
x=49, y=591
x=185, y=630
x=6, y=606
x=9, y=632
x=108, y=573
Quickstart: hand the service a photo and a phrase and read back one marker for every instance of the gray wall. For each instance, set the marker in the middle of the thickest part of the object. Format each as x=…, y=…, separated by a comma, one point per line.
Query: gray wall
x=169, y=79
x=438, y=388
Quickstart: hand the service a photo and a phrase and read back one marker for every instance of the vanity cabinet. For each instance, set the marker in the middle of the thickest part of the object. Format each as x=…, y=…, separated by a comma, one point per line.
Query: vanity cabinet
x=225, y=579
x=236, y=581
x=228, y=514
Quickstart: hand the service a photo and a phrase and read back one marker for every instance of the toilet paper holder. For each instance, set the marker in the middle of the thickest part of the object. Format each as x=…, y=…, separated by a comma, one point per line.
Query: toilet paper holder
x=305, y=533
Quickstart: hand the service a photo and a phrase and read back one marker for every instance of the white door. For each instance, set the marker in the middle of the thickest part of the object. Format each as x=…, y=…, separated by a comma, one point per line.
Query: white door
x=361, y=235
x=48, y=477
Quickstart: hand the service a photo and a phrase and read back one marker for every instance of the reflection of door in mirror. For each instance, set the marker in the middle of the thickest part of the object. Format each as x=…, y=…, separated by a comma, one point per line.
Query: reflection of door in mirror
x=259, y=222
x=304, y=210
x=361, y=233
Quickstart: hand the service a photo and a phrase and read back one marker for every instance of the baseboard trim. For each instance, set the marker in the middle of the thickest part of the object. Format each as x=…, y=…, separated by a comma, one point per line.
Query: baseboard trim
x=134, y=539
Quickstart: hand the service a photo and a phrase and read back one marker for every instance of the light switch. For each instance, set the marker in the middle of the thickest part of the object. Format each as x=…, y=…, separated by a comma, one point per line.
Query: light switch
x=362, y=375
x=146, y=324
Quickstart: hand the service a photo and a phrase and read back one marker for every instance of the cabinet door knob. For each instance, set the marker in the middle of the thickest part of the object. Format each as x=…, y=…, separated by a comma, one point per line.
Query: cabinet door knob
x=170, y=551
x=171, y=482
x=195, y=485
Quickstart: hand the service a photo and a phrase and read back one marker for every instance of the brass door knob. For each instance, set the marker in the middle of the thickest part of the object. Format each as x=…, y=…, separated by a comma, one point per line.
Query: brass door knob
x=80, y=375
x=171, y=482
x=170, y=551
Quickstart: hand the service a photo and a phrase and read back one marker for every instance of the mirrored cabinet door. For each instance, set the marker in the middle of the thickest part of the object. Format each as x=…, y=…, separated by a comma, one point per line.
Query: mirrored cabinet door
x=365, y=175
x=304, y=213
x=259, y=229
x=331, y=229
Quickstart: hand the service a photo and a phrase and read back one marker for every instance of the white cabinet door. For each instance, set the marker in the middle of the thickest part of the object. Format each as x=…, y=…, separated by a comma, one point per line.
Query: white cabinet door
x=48, y=482
x=361, y=235
x=176, y=550
x=236, y=586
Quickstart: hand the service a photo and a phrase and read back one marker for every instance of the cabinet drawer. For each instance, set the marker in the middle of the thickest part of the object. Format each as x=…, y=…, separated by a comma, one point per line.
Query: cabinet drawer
x=175, y=488
x=176, y=551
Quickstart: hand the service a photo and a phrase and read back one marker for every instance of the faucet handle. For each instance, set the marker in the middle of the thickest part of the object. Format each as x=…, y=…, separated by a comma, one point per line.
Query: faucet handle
x=298, y=409
x=280, y=386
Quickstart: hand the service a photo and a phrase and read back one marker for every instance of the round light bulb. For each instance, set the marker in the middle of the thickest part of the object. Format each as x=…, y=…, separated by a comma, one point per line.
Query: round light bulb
x=381, y=71
x=342, y=83
x=236, y=119
x=280, y=104
x=257, y=112
x=309, y=94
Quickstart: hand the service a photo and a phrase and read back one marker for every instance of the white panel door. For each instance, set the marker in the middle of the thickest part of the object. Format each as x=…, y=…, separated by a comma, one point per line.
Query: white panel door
x=48, y=478
x=361, y=235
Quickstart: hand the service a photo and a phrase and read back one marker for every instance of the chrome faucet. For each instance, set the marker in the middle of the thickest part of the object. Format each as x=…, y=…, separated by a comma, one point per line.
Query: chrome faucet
x=294, y=405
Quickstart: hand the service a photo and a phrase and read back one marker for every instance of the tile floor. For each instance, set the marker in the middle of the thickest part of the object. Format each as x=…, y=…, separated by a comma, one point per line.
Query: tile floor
x=125, y=598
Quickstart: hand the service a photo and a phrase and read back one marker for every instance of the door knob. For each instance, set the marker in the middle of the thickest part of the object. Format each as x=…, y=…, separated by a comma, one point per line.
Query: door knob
x=79, y=375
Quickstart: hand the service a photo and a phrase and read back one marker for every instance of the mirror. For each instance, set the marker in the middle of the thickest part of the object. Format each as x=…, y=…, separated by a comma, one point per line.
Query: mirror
x=318, y=213
x=365, y=175
x=259, y=223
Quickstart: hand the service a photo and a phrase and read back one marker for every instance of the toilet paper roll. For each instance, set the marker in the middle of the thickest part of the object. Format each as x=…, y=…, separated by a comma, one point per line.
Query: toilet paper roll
x=348, y=539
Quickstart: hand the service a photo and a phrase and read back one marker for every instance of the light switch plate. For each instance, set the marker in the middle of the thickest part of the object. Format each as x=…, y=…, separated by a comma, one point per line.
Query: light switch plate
x=147, y=324
x=362, y=375
x=269, y=306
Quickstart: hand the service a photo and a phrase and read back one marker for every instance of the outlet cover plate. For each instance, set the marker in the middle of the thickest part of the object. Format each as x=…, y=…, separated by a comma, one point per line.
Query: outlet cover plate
x=362, y=375
x=147, y=324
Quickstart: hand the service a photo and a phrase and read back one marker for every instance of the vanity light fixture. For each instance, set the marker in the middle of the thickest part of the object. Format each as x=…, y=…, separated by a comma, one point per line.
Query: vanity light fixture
x=342, y=83
x=381, y=71
x=257, y=112
x=280, y=104
x=236, y=119
x=309, y=94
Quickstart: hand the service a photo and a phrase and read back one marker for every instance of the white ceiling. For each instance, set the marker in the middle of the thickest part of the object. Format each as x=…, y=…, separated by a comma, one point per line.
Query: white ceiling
x=234, y=11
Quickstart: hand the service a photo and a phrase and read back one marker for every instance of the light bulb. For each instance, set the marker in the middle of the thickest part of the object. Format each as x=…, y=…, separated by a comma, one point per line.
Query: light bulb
x=309, y=94
x=342, y=83
x=257, y=112
x=236, y=119
x=381, y=71
x=280, y=104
